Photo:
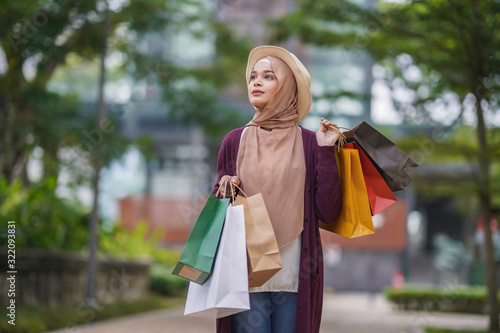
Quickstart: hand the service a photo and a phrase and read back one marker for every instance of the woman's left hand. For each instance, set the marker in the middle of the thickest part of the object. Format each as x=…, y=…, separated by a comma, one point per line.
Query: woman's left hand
x=325, y=136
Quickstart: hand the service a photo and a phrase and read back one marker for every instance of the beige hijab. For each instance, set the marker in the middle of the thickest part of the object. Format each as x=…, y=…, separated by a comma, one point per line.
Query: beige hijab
x=272, y=162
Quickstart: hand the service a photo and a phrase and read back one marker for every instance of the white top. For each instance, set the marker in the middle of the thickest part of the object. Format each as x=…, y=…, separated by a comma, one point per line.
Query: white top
x=287, y=278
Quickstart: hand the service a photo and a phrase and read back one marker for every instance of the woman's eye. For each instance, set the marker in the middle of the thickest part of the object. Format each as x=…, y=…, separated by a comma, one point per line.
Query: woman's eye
x=252, y=77
x=269, y=77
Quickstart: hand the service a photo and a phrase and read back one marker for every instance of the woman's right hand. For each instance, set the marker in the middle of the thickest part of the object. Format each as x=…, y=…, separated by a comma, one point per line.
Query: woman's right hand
x=233, y=179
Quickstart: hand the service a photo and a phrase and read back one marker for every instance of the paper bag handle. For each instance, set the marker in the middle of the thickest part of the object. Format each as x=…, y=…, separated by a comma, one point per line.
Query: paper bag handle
x=229, y=188
x=342, y=138
x=239, y=188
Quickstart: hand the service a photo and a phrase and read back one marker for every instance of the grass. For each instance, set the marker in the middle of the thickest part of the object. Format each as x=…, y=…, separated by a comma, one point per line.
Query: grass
x=41, y=318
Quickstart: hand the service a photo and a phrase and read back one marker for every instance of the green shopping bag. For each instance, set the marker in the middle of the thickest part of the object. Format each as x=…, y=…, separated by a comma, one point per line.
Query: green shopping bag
x=197, y=257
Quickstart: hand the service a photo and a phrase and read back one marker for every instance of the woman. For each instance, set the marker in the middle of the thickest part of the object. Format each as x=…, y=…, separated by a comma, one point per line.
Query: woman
x=296, y=172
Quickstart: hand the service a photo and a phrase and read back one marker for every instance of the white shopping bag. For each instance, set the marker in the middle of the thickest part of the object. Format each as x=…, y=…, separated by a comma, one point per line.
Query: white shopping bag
x=225, y=292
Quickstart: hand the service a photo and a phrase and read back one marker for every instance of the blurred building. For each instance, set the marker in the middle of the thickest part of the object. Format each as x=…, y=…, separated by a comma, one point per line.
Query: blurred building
x=181, y=171
x=368, y=263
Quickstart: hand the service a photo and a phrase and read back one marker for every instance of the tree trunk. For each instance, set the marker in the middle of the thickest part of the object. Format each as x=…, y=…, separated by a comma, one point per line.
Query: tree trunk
x=98, y=164
x=485, y=199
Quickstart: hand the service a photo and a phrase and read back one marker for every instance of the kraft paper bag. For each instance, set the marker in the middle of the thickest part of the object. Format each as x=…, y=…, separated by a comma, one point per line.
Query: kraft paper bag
x=355, y=218
x=379, y=193
x=226, y=291
x=392, y=163
x=197, y=257
x=264, y=259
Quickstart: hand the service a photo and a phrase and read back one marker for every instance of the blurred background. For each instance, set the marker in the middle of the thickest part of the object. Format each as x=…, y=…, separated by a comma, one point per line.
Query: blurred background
x=112, y=113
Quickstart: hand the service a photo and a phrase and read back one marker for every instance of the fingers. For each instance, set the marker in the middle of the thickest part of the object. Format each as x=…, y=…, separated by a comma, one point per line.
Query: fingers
x=327, y=135
x=326, y=123
x=222, y=188
x=233, y=179
x=222, y=182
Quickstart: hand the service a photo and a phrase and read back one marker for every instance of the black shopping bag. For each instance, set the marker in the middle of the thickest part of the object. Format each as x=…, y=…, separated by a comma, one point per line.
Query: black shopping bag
x=395, y=166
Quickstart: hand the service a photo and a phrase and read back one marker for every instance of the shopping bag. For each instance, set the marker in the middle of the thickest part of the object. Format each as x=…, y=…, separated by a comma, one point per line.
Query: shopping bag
x=380, y=195
x=226, y=290
x=355, y=218
x=263, y=254
x=197, y=257
x=393, y=164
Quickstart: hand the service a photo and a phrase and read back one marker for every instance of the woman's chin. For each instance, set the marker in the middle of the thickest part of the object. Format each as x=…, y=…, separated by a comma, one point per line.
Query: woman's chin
x=257, y=104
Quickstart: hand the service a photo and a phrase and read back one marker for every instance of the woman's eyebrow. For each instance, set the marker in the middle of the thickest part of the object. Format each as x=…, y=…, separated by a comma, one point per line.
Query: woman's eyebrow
x=265, y=71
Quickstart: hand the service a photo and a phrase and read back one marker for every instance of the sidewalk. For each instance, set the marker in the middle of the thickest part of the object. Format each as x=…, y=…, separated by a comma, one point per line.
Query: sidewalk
x=371, y=313
x=342, y=313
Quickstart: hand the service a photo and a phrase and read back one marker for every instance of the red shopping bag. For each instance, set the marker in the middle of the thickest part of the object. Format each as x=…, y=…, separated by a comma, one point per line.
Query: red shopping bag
x=379, y=193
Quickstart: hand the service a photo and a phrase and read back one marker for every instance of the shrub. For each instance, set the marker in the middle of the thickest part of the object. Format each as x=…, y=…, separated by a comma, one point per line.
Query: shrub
x=41, y=318
x=446, y=330
x=136, y=243
x=132, y=244
x=43, y=220
x=461, y=299
x=164, y=283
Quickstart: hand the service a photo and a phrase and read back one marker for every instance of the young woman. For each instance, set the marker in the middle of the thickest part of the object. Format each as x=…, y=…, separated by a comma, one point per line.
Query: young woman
x=296, y=172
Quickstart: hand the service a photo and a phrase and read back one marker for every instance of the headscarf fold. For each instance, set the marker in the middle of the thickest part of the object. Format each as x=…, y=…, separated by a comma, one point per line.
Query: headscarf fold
x=271, y=157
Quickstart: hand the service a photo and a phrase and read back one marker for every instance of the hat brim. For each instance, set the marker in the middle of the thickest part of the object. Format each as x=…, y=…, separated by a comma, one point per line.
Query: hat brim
x=302, y=77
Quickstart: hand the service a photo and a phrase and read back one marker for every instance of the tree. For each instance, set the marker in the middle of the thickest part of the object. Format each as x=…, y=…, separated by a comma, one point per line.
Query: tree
x=453, y=46
x=36, y=39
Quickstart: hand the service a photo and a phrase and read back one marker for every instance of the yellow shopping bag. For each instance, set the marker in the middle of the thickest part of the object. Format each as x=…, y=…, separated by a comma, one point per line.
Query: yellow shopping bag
x=355, y=218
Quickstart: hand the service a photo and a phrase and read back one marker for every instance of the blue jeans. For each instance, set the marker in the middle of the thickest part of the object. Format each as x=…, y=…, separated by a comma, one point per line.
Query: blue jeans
x=269, y=312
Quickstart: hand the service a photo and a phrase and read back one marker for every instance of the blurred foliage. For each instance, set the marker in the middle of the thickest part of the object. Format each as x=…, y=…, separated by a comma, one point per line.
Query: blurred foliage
x=38, y=38
x=434, y=54
x=43, y=220
x=453, y=156
x=441, y=62
x=136, y=243
x=449, y=330
x=447, y=41
x=46, y=221
x=192, y=95
x=164, y=283
x=43, y=318
x=50, y=50
x=140, y=243
x=459, y=299
x=145, y=145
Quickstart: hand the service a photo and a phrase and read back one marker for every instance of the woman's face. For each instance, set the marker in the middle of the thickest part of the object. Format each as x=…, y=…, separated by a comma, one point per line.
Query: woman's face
x=263, y=85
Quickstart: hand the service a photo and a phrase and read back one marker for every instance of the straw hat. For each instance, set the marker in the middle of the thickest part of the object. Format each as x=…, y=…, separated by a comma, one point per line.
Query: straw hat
x=302, y=76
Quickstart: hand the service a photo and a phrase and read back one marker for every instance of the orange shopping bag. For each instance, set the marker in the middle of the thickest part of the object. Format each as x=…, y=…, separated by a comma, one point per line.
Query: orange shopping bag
x=355, y=218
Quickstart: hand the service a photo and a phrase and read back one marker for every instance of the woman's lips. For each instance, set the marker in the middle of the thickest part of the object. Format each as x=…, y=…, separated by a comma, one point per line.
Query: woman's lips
x=257, y=92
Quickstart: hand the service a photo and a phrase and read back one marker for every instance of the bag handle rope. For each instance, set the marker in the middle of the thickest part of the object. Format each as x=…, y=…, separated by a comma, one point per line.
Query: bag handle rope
x=231, y=189
x=239, y=188
x=342, y=138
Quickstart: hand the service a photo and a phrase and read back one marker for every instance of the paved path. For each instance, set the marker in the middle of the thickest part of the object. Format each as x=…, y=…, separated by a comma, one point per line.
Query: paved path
x=342, y=313
x=365, y=313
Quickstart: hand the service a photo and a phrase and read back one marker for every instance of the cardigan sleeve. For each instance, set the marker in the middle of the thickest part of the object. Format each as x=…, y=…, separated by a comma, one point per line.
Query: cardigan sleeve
x=328, y=193
x=226, y=160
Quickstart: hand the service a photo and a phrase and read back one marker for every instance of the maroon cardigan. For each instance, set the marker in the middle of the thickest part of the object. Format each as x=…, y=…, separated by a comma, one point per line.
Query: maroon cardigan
x=322, y=200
